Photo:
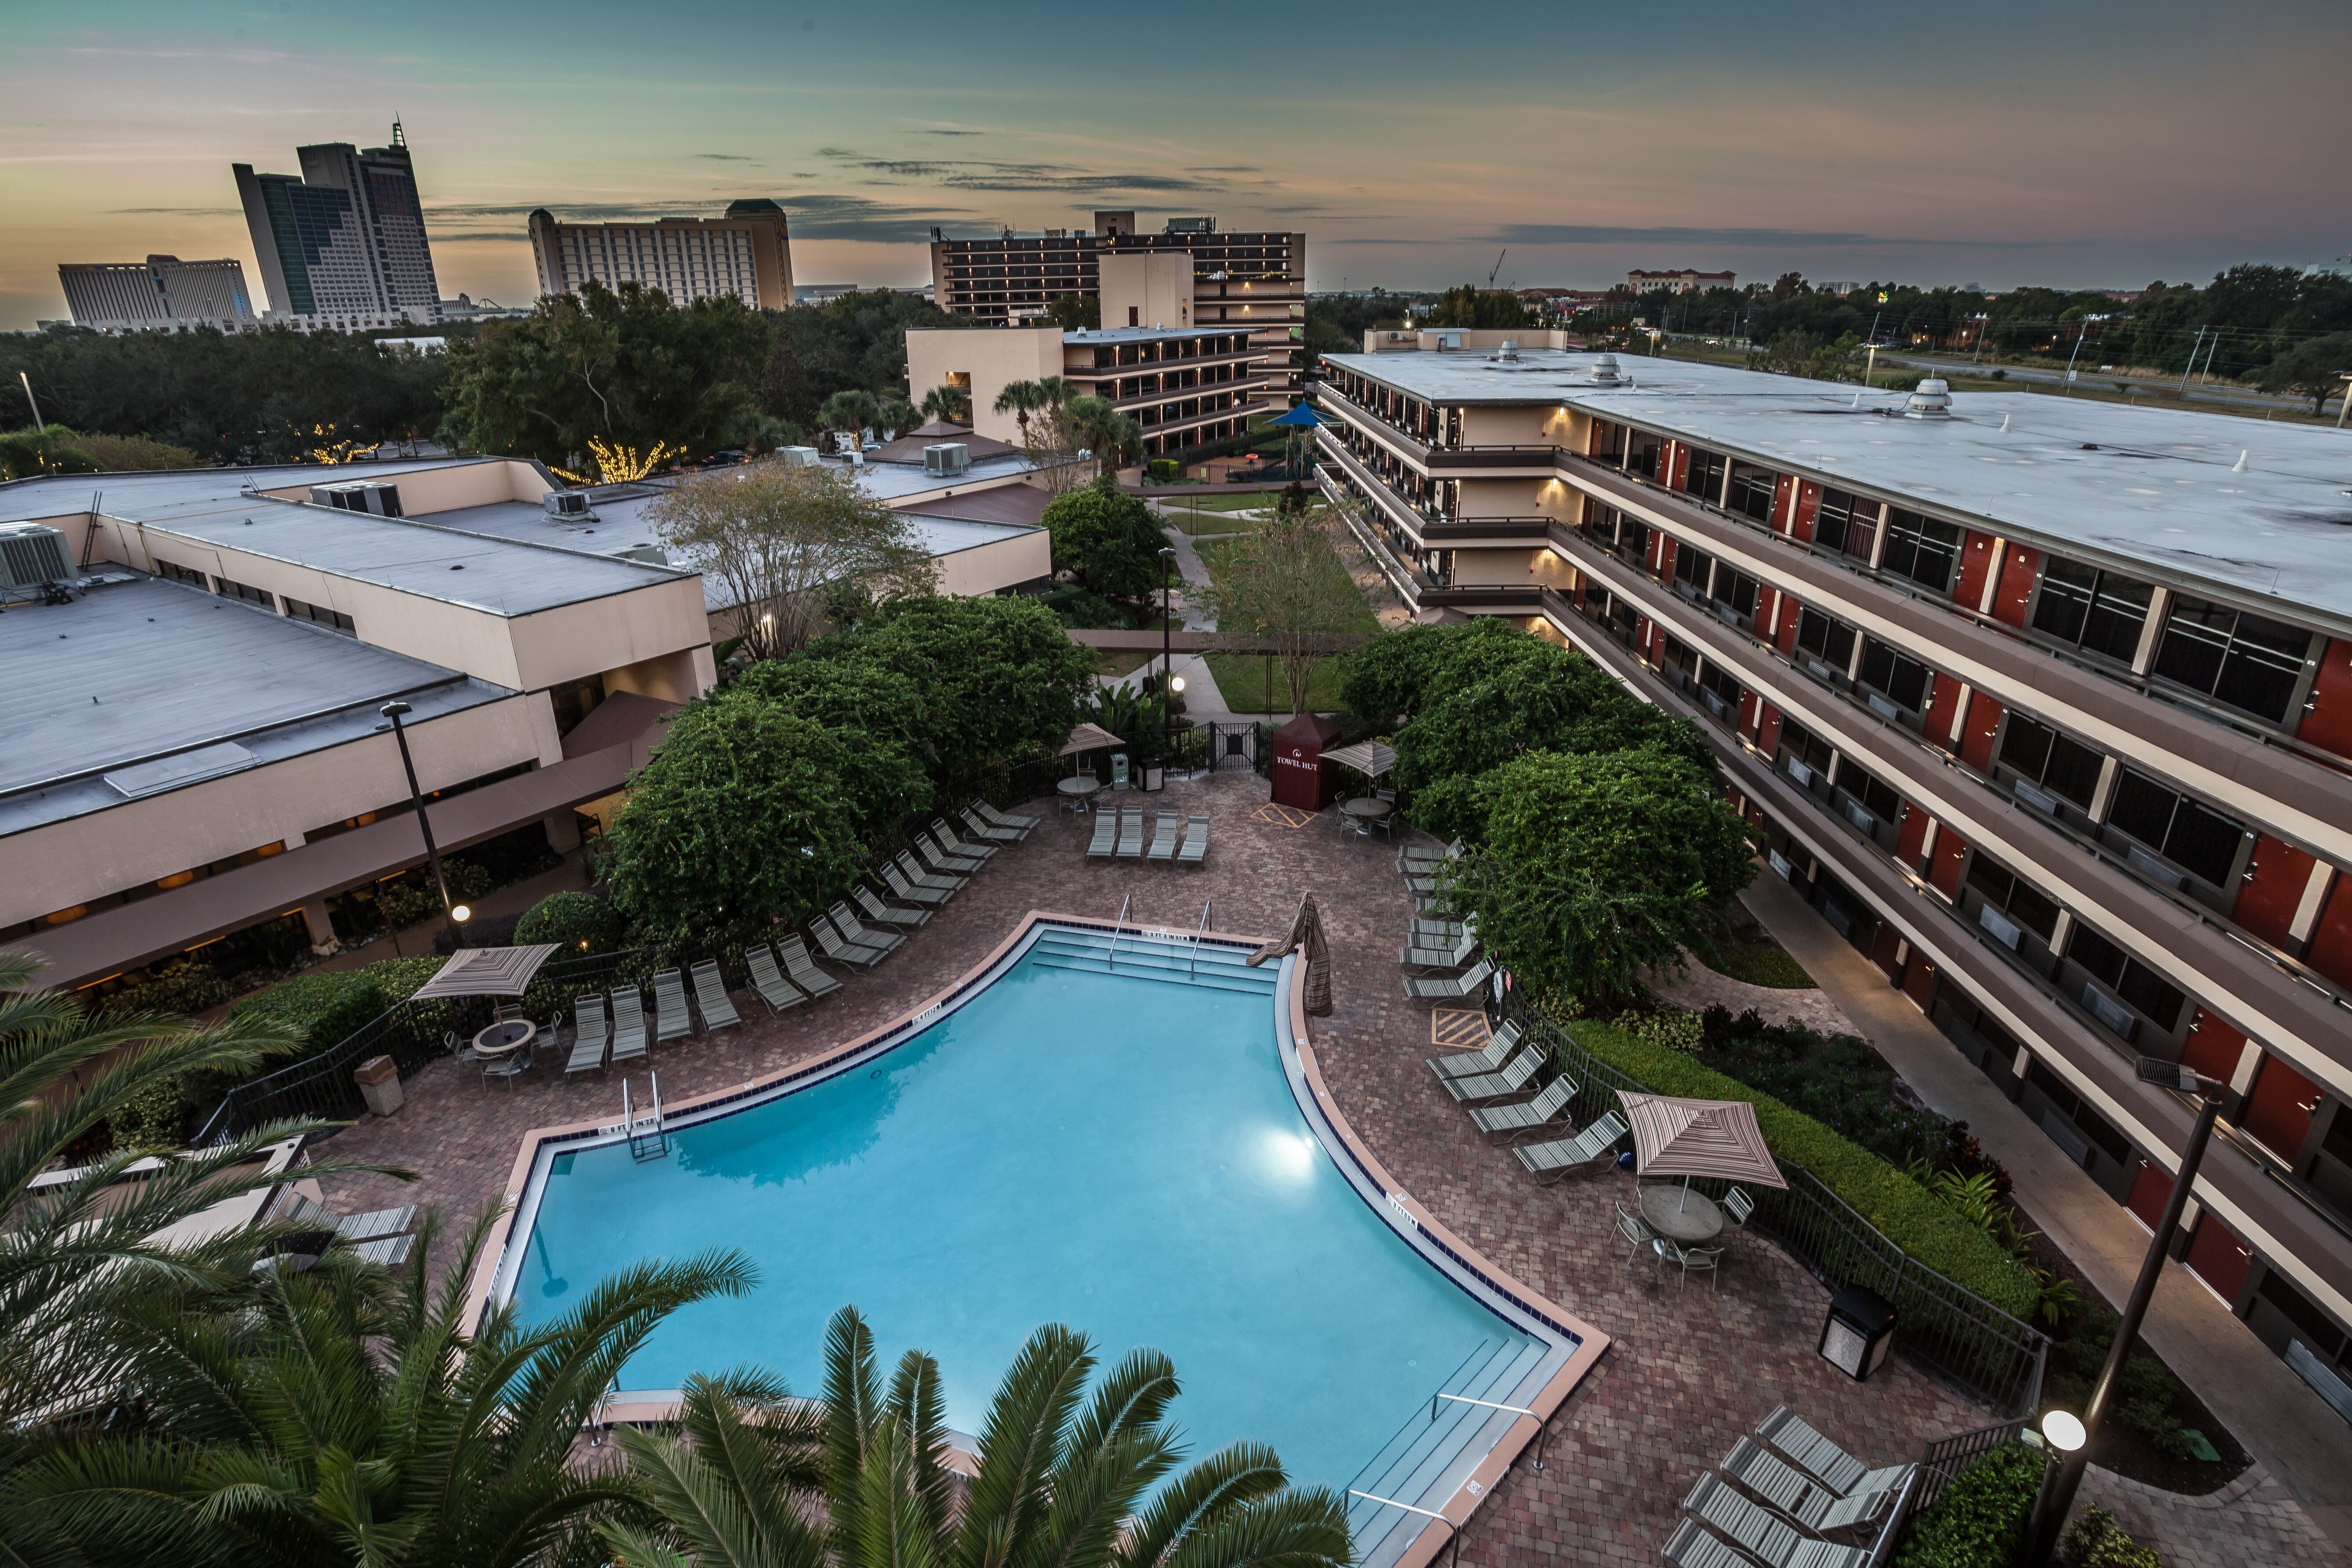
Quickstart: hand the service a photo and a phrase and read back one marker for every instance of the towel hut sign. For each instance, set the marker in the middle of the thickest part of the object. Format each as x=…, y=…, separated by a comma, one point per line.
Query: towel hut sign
x=1300, y=777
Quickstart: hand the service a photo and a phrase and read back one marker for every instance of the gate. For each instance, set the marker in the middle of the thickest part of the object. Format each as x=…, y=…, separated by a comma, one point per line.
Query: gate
x=1236, y=746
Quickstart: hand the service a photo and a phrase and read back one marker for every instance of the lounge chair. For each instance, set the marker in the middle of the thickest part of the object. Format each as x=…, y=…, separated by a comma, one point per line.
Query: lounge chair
x=390, y=1251
x=945, y=860
x=1773, y=1540
x=1163, y=839
x=369, y=1226
x=1195, y=849
x=1425, y=885
x=1550, y=1162
x=1442, y=928
x=1452, y=956
x=671, y=1020
x=841, y=951
x=1130, y=834
x=903, y=886
x=1512, y=1079
x=1106, y=838
x=1012, y=819
x=1450, y=987
x=1824, y=1460
x=628, y=1024
x=591, y=1038
x=1528, y=1116
x=1696, y=1546
x=802, y=968
x=852, y=929
x=776, y=990
x=1488, y=1058
x=936, y=881
x=1783, y=1486
x=944, y=832
x=710, y=995
x=989, y=832
x=871, y=902
x=1413, y=857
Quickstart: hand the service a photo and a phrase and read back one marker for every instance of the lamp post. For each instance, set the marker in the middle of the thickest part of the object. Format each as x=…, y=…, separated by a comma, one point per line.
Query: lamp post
x=1167, y=643
x=452, y=913
x=2057, y=1494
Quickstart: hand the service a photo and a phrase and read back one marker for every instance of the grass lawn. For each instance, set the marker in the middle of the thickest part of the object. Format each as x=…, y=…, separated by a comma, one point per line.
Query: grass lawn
x=1242, y=679
x=1764, y=962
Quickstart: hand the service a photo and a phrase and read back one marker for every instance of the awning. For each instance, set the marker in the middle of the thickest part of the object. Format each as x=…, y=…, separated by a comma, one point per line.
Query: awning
x=1716, y=1138
x=1090, y=738
x=1369, y=758
x=487, y=972
x=1300, y=417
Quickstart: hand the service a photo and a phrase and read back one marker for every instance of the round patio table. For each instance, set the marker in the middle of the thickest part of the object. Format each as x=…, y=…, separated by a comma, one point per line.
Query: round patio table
x=505, y=1037
x=1080, y=790
x=1681, y=1215
x=1365, y=812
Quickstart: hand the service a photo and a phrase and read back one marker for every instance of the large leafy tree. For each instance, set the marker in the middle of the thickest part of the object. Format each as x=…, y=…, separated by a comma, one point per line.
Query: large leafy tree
x=1470, y=306
x=2315, y=370
x=1005, y=681
x=1594, y=869
x=1106, y=540
x=1284, y=583
x=1065, y=1475
x=857, y=342
x=343, y=1416
x=885, y=771
x=626, y=368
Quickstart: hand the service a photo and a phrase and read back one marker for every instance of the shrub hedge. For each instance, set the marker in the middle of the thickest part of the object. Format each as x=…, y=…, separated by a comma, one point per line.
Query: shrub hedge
x=1978, y=1521
x=1910, y=1215
x=330, y=1005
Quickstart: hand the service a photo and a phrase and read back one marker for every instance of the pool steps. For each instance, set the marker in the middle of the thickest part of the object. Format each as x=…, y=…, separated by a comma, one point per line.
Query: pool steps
x=1419, y=1452
x=1169, y=956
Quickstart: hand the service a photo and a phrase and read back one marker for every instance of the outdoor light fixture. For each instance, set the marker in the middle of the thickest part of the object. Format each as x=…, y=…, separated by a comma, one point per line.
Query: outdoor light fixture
x=1176, y=684
x=2063, y=1430
x=461, y=913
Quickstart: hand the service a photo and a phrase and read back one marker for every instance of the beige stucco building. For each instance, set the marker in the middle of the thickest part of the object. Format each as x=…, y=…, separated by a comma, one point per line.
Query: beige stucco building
x=1185, y=385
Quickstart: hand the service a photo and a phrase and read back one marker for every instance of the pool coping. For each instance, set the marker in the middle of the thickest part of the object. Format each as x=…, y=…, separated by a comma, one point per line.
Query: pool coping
x=1431, y=1538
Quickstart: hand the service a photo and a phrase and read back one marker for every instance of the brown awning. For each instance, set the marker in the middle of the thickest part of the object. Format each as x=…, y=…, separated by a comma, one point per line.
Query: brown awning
x=487, y=972
x=1699, y=1137
x=130, y=934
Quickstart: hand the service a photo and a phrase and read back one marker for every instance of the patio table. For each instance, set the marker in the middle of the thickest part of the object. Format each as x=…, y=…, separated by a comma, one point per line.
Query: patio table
x=1077, y=792
x=1367, y=813
x=504, y=1038
x=1681, y=1215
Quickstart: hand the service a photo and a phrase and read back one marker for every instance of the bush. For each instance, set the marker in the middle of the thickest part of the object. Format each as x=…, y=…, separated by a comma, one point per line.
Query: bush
x=1900, y=1207
x=1980, y=1520
x=1838, y=1080
x=329, y=1006
x=583, y=922
x=1674, y=1029
x=1164, y=470
x=153, y=1120
x=2095, y=1541
x=182, y=988
x=403, y=901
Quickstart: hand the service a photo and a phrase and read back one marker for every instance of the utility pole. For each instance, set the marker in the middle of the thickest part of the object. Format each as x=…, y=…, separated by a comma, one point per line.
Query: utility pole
x=2192, y=359
x=36, y=402
x=2345, y=406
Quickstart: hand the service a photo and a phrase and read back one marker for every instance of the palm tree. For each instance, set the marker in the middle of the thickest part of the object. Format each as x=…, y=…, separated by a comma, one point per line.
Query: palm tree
x=950, y=405
x=344, y=1416
x=896, y=418
x=1021, y=399
x=851, y=411
x=1097, y=424
x=860, y=1480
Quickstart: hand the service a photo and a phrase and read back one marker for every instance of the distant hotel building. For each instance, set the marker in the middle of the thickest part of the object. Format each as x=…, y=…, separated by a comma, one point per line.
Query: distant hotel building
x=1683, y=282
x=745, y=254
x=342, y=244
x=1257, y=280
x=161, y=293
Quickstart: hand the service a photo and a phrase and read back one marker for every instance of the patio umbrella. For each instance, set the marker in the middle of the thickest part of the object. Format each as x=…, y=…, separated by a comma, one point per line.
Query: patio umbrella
x=1088, y=738
x=1690, y=1138
x=1369, y=758
x=1297, y=428
x=488, y=971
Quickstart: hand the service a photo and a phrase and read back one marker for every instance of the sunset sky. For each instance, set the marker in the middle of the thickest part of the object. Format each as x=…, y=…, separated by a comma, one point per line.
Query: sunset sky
x=2084, y=144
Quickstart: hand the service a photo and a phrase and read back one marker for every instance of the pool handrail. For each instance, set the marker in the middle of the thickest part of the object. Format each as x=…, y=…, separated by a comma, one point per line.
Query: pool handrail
x=1110, y=959
x=1452, y=1531
x=1543, y=1427
x=1200, y=932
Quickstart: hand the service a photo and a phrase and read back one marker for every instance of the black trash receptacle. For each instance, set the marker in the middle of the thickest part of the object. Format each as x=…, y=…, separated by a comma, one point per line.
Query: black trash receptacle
x=1859, y=1332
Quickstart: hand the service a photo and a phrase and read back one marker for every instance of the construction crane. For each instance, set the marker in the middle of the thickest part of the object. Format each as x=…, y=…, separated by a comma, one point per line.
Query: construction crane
x=1496, y=268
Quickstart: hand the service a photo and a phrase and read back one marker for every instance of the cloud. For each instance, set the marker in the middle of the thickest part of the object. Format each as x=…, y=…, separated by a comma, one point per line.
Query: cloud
x=1776, y=238
x=987, y=175
x=726, y=157
x=173, y=212
x=952, y=133
x=825, y=217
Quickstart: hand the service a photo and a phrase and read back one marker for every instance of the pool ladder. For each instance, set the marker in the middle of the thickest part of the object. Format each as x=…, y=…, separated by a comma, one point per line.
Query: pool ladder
x=1110, y=959
x=648, y=1136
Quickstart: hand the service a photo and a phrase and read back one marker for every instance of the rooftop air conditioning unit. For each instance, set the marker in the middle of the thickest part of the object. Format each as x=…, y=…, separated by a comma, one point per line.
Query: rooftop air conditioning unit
x=371, y=496
x=1448, y=339
x=800, y=457
x=948, y=457
x=31, y=554
x=567, y=506
x=1931, y=400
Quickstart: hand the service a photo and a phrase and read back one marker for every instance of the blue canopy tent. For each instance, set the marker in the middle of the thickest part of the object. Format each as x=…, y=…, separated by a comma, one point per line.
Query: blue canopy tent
x=1299, y=428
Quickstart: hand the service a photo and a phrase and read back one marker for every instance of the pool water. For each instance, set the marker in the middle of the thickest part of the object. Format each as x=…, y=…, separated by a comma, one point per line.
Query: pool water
x=1121, y=1154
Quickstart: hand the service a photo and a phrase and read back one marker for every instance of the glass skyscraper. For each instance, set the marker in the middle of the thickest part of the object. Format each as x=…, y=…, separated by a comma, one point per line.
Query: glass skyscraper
x=345, y=238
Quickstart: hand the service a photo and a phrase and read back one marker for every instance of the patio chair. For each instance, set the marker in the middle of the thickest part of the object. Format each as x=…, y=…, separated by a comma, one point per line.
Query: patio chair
x=989, y=832
x=1516, y=1122
x=1421, y=883
x=591, y=1037
x=628, y=1026
x=1130, y=836
x=903, y=886
x=1773, y=1540
x=938, y=881
x=871, y=902
x=776, y=990
x=943, y=860
x=1703, y=1258
x=1012, y=819
x=1787, y=1490
x=845, y=921
x=1635, y=1230
x=390, y=1251
x=1736, y=1206
x=1512, y=1079
x=369, y=1226
x=506, y=1069
x=839, y=951
x=671, y=1020
x=1823, y=1460
x=1696, y=1546
x=1195, y=849
x=710, y=995
x=1487, y=1058
x=949, y=840
x=802, y=968
x=1106, y=838
x=1450, y=987
x=1451, y=956
x=1549, y=1162
x=1163, y=839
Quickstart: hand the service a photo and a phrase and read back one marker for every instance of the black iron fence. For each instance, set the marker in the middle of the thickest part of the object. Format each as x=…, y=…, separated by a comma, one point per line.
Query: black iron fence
x=1942, y=1461
x=1943, y=1326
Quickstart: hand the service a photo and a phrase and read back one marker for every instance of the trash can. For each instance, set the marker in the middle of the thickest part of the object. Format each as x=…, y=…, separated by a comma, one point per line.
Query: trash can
x=1119, y=770
x=379, y=1082
x=1859, y=1332
x=1155, y=776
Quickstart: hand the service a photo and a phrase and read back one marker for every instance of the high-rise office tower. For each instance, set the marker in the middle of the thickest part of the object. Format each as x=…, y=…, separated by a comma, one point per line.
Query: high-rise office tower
x=345, y=239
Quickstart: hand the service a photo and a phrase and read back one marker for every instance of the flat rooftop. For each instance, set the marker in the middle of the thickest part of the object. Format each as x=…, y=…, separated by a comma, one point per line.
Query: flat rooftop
x=1100, y=337
x=2153, y=486
x=164, y=494
x=147, y=681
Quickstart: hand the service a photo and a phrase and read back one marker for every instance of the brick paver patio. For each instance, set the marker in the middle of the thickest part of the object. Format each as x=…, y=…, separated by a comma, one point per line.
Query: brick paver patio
x=1690, y=1370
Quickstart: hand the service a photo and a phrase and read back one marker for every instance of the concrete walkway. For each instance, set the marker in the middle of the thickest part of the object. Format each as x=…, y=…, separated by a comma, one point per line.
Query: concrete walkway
x=2306, y=1446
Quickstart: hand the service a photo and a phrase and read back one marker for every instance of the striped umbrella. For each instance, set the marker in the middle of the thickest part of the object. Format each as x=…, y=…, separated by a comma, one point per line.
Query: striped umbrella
x=1690, y=1138
x=487, y=972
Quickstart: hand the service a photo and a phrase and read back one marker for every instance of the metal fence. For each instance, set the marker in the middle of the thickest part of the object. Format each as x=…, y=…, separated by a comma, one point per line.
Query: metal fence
x=1943, y=1326
x=1941, y=1462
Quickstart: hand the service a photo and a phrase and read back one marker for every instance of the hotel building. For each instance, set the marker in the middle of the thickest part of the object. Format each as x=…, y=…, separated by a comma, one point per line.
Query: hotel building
x=1186, y=386
x=745, y=254
x=342, y=244
x=2045, y=705
x=161, y=293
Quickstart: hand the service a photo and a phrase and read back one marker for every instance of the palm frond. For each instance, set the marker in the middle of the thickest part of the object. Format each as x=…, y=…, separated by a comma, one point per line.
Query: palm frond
x=1306, y=1528
x=1199, y=1499
x=1020, y=1444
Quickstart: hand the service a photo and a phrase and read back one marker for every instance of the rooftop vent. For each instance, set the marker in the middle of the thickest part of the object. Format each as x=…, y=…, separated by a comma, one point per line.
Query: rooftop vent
x=1606, y=371
x=651, y=554
x=1509, y=351
x=567, y=506
x=947, y=457
x=371, y=496
x=32, y=555
x=1931, y=399
x=1448, y=339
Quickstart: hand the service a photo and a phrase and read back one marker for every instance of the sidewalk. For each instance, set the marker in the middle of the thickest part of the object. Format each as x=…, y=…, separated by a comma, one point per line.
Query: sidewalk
x=2306, y=1446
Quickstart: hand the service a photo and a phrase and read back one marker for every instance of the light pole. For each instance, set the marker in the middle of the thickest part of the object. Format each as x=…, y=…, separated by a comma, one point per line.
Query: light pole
x=452, y=913
x=2057, y=1494
x=1167, y=657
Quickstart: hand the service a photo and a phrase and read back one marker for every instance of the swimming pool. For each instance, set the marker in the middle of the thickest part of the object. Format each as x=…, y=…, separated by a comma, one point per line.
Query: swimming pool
x=1125, y=1145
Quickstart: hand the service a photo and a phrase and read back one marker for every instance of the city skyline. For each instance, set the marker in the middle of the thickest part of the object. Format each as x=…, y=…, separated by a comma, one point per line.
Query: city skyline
x=1579, y=143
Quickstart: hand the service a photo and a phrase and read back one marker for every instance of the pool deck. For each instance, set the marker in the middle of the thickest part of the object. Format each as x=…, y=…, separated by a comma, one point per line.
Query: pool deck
x=1688, y=1370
